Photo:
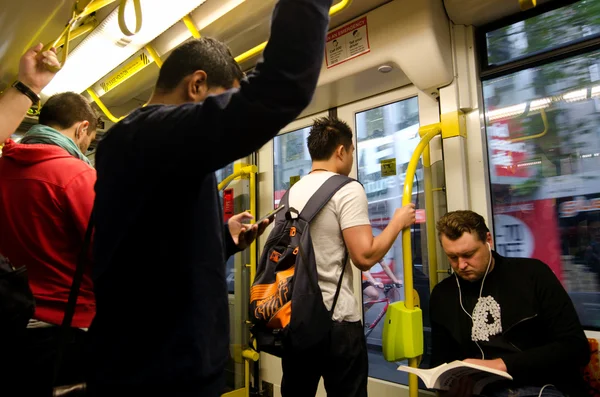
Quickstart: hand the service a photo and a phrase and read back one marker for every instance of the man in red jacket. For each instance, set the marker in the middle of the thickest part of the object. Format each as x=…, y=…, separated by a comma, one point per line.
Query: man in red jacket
x=46, y=198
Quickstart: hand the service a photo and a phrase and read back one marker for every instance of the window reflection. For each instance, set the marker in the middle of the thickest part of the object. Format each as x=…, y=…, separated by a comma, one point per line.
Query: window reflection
x=543, y=139
x=544, y=32
x=291, y=159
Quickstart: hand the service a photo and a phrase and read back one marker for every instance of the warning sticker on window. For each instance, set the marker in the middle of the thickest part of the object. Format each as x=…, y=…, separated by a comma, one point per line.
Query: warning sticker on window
x=347, y=42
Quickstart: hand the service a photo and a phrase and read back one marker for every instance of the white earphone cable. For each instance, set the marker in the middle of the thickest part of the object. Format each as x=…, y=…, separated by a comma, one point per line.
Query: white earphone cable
x=480, y=292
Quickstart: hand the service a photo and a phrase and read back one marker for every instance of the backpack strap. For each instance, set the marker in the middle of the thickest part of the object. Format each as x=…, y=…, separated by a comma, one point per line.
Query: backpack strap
x=339, y=285
x=322, y=196
x=64, y=332
x=315, y=204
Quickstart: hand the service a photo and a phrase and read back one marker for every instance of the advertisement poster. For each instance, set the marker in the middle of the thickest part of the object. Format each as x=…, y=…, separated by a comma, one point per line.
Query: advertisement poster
x=529, y=229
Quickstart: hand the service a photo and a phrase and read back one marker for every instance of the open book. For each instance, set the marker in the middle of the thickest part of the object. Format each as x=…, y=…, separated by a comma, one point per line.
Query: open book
x=443, y=376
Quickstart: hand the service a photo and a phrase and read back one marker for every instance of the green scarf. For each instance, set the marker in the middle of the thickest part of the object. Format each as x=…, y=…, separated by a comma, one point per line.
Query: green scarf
x=40, y=133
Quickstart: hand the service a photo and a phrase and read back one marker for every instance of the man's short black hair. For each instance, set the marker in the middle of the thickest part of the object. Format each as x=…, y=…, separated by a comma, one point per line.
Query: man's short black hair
x=63, y=110
x=326, y=135
x=207, y=54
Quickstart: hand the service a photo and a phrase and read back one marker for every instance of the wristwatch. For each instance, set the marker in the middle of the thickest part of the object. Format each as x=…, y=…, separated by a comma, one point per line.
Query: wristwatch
x=28, y=92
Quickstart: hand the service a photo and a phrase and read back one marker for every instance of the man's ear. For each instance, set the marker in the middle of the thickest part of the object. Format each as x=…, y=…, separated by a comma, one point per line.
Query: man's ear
x=196, y=86
x=82, y=129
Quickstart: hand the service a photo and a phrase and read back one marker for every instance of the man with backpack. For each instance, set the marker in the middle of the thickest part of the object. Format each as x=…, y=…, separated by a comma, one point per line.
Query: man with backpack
x=322, y=331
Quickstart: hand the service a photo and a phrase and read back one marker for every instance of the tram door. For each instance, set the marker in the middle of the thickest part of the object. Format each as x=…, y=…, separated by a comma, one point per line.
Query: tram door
x=386, y=132
x=235, y=198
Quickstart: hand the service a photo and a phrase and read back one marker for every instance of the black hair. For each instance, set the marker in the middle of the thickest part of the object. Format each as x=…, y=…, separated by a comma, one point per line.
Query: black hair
x=326, y=135
x=207, y=54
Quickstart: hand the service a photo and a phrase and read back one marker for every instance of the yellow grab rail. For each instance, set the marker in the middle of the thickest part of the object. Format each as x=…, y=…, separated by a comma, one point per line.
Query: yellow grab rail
x=189, y=23
x=430, y=218
x=65, y=36
x=154, y=55
x=75, y=33
x=427, y=133
x=250, y=172
x=342, y=5
x=103, y=107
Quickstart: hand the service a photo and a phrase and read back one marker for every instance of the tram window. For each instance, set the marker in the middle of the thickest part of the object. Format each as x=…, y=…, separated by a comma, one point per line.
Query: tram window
x=544, y=32
x=230, y=264
x=390, y=132
x=543, y=134
x=291, y=160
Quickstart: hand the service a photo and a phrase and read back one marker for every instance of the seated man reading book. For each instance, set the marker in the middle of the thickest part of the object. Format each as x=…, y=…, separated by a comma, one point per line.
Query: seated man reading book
x=509, y=314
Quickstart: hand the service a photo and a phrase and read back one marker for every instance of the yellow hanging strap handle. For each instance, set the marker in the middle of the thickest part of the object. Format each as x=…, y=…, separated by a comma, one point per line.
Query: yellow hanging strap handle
x=66, y=34
x=138, y=17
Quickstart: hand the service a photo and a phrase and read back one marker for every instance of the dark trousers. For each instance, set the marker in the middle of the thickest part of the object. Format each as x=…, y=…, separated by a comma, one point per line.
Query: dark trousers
x=207, y=387
x=27, y=362
x=341, y=360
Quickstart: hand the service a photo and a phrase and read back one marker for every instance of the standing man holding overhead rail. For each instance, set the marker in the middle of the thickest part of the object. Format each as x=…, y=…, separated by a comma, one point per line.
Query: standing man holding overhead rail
x=162, y=311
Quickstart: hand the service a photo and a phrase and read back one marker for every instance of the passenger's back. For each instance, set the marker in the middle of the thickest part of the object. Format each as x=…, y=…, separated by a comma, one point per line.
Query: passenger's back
x=46, y=197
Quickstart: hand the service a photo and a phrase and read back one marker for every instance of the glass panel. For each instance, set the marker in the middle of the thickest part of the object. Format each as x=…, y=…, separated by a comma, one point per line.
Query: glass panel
x=290, y=159
x=544, y=32
x=543, y=132
x=390, y=132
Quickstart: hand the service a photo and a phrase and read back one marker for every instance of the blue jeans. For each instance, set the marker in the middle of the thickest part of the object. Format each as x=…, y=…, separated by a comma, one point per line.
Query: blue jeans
x=549, y=391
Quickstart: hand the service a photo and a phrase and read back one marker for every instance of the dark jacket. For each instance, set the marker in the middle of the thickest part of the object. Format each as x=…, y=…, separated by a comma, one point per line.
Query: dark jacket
x=159, y=275
x=542, y=341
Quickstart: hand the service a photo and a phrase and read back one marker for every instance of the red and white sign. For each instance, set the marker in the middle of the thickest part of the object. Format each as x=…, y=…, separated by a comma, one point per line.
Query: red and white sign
x=509, y=159
x=347, y=42
x=529, y=229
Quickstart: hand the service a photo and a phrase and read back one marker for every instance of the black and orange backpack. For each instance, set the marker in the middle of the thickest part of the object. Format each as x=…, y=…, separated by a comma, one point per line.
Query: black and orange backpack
x=286, y=304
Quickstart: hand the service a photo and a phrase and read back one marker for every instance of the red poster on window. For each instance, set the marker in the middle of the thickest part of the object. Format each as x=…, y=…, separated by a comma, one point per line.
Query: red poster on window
x=227, y=204
x=529, y=229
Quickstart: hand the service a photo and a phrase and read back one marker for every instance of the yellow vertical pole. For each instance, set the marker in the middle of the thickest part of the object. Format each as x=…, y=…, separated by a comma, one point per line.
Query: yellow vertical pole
x=253, y=212
x=427, y=133
x=430, y=219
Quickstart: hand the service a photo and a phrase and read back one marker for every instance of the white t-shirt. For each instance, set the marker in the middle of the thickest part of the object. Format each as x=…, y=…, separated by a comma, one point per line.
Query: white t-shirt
x=347, y=208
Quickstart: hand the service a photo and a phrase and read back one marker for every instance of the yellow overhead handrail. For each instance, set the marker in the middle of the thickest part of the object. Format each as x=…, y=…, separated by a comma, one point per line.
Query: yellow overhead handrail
x=138, y=17
x=103, y=107
x=154, y=55
x=342, y=5
x=427, y=133
x=77, y=32
x=65, y=36
x=189, y=23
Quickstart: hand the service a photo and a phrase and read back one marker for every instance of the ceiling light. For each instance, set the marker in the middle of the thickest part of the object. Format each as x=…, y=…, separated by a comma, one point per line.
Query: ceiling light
x=538, y=104
x=509, y=111
x=574, y=96
x=106, y=47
